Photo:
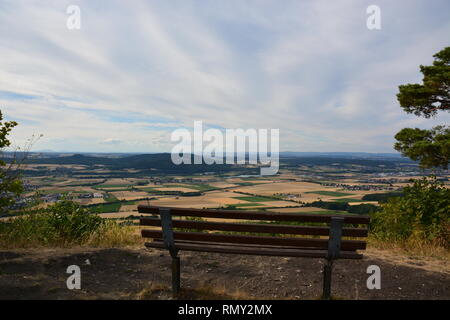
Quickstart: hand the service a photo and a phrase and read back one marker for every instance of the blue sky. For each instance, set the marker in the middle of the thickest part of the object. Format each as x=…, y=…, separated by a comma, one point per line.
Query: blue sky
x=137, y=70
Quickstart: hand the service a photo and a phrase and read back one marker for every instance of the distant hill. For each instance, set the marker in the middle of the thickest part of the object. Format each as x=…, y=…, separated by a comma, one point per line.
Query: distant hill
x=345, y=155
x=162, y=162
x=157, y=162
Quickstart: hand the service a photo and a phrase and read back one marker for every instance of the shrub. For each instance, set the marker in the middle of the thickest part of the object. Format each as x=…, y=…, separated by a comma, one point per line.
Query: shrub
x=63, y=223
x=330, y=205
x=382, y=197
x=421, y=214
x=363, y=208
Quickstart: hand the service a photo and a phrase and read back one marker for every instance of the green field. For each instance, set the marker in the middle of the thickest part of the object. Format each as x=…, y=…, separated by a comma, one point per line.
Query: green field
x=148, y=189
x=331, y=193
x=348, y=200
x=202, y=187
x=255, y=199
x=174, y=186
x=246, y=205
x=110, y=197
x=106, y=207
x=113, y=185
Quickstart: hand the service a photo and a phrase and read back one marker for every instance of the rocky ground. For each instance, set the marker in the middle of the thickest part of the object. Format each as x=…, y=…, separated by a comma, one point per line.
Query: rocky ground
x=137, y=273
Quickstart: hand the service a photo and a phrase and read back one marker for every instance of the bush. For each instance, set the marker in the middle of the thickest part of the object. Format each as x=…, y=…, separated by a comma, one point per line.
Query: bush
x=63, y=223
x=421, y=214
x=382, y=197
x=330, y=205
x=363, y=208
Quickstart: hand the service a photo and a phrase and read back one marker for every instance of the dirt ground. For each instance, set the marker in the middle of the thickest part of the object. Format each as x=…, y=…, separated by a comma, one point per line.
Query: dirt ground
x=136, y=273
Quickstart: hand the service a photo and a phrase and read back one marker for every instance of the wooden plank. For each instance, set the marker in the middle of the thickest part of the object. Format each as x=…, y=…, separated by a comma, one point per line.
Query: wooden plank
x=255, y=215
x=257, y=228
x=281, y=241
x=292, y=252
x=268, y=246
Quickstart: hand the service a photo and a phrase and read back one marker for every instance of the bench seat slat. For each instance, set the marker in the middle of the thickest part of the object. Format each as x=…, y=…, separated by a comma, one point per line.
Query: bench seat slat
x=256, y=228
x=243, y=245
x=255, y=215
x=262, y=251
x=282, y=241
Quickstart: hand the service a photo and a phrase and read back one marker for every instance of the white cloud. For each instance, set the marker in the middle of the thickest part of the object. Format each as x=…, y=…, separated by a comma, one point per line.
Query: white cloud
x=137, y=70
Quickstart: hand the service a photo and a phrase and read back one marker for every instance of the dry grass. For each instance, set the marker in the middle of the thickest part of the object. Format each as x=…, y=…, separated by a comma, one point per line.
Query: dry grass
x=202, y=292
x=417, y=248
x=112, y=235
x=109, y=235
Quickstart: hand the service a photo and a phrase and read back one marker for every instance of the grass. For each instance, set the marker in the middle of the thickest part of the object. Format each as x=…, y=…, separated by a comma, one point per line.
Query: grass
x=411, y=248
x=202, y=187
x=113, y=185
x=113, y=235
x=246, y=204
x=64, y=224
x=255, y=199
x=114, y=189
x=197, y=187
x=147, y=189
x=106, y=207
x=246, y=184
x=348, y=200
x=331, y=193
x=178, y=186
x=202, y=292
x=110, y=197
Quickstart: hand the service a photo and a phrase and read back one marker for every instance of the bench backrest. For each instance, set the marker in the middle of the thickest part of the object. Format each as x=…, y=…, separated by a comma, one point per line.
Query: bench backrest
x=277, y=229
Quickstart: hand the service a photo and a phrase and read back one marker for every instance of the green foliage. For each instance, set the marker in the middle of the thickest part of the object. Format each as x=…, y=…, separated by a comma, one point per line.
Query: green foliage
x=105, y=207
x=430, y=147
x=347, y=200
x=255, y=199
x=251, y=204
x=63, y=223
x=423, y=213
x=434, y=94
x=10, y=184
x=5, y=129
x=363, y=208
x=330, y=205
x=382, y=197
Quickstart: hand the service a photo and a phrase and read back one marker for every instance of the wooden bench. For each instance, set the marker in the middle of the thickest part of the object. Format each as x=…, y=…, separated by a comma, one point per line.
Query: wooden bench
x=327, y=243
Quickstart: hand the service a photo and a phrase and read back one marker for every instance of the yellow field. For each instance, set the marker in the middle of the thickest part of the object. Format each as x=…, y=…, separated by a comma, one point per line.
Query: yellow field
x=182, y=189
x=89, y=201
x=129, y=195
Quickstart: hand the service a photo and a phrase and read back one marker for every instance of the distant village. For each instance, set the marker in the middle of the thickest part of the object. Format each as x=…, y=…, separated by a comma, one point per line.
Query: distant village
x=365, y=187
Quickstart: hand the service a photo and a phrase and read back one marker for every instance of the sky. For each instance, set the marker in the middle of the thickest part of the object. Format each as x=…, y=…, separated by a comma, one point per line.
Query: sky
x=135, y=71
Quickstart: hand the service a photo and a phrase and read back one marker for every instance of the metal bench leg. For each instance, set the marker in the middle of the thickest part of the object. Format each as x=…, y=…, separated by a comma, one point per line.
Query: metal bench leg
x=327, y=269
x=175, y=276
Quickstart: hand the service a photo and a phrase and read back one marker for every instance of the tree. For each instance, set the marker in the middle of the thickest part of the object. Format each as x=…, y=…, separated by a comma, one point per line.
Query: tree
x=10, y=184
x=430, y=147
